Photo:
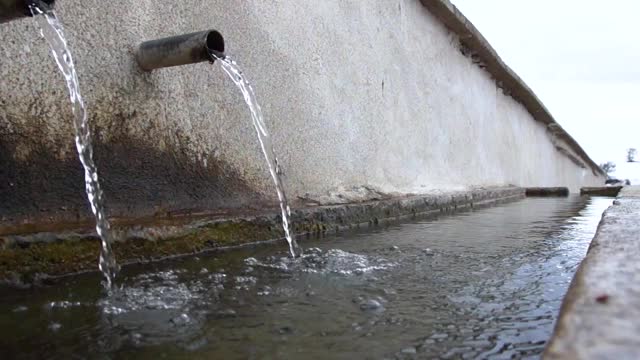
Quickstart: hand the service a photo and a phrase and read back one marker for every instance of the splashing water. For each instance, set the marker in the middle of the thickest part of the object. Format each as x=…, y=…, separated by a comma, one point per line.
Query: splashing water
x=231, y=68
x=52, y=31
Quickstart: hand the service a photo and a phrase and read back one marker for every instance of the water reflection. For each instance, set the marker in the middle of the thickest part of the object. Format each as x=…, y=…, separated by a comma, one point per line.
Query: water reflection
x=480, y=284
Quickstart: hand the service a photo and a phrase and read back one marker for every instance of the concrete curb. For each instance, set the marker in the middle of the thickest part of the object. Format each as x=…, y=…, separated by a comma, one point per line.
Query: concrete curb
x=601, y=191
x=27, y=258
x=599, y=315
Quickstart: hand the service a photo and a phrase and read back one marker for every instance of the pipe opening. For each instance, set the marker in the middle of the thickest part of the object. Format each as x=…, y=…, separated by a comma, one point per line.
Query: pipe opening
x=16, y=9
x=40, y=2
x=179, y=50
x=43, y=5
x=215, y=43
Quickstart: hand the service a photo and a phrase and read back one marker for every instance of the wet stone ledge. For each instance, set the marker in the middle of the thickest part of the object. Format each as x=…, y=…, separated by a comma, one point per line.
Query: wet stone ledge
x=40, y=257
x=547, y=191
x=599, y=316
x=601, y=191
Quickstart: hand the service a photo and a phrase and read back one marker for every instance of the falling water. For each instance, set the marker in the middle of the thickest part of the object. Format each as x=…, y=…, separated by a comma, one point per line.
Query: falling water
x=51, y=30
x=231, y=68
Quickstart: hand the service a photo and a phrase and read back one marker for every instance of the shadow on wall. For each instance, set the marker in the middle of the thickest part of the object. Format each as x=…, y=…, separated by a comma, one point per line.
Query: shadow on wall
x=138, y=178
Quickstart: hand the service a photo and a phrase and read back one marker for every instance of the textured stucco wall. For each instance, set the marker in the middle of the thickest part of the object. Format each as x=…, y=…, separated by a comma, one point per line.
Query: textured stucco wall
x=355, y=93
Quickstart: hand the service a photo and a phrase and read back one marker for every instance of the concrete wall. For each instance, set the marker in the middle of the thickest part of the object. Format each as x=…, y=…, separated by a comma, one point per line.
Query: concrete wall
x=356, y=93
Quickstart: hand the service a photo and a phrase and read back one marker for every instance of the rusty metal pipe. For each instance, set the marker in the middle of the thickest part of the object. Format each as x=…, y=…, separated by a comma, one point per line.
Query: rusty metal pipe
x=17, y=9
x=180, y=50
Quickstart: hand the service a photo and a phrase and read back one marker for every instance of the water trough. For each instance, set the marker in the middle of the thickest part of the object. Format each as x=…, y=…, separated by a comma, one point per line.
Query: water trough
x=42, y=257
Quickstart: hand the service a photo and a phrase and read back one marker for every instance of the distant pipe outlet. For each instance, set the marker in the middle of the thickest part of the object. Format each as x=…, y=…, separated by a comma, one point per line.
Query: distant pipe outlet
x=180, y=50
x=17, y=9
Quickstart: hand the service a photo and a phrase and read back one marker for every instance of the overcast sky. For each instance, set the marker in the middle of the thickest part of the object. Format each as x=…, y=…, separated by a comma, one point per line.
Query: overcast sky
x=582, y=59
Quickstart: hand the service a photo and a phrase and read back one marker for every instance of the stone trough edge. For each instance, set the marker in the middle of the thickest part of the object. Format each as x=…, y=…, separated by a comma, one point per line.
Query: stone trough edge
x=27, y=259
x=599, y=315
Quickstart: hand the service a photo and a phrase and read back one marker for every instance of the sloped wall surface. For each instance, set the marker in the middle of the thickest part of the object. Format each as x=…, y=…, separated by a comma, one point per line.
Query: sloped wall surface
x=375, y=94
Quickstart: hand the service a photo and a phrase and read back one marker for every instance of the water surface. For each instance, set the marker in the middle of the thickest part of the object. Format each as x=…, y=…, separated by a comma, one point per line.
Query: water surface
x=481, y=284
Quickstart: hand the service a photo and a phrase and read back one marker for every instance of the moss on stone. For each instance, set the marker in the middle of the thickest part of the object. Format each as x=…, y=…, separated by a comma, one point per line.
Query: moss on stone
x=23, y=262
x=53, y=258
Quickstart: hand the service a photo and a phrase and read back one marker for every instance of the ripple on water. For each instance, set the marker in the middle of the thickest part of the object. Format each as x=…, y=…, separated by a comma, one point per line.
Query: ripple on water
x=163, y=305
x=62, y=304
x=315, y=260
x=162, y=291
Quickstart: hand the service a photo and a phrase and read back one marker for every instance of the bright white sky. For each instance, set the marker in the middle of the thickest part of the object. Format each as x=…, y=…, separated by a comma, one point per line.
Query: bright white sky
x=582, y=59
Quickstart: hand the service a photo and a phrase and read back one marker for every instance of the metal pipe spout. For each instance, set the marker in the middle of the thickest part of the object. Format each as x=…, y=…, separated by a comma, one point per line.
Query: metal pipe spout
x=17, y=9
x=180, y=50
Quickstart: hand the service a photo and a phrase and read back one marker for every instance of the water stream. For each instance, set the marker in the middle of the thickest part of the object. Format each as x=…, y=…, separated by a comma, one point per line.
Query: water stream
x=233, y=71
x=52, y=31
